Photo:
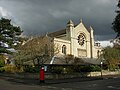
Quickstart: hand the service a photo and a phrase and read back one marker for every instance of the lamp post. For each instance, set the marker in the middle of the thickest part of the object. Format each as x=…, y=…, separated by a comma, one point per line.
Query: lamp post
x=101, y=63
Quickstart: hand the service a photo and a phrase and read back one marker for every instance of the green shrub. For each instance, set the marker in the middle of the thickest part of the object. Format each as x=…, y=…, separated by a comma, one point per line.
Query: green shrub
x=69, y=70
x=113, y=67
x=2, y=60
x=61, y=69
x=95, y=68
x=73, y=69
x=2, y=63
x=85, y=68
x=76, y=68
x=57, y=69
x=31, y=69
x=90, y=68
x=10, y=68
x=2, y=69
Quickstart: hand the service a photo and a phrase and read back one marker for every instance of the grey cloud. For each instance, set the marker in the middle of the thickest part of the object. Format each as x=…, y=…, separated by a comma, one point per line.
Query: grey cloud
x=38, y=17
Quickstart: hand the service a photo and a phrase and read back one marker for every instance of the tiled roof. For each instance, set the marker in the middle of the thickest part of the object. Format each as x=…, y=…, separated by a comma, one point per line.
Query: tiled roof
x=57, y=33
x=63, y=31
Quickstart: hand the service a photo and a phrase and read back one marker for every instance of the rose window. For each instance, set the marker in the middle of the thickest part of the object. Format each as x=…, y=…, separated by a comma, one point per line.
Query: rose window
x=81, y=39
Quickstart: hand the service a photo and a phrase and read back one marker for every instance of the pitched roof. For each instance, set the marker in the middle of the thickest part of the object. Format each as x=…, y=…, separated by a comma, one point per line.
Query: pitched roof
x=63, y=31
x=57, y=33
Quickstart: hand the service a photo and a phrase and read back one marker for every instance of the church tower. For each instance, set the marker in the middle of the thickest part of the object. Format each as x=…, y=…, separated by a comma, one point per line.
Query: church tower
x=69, y=29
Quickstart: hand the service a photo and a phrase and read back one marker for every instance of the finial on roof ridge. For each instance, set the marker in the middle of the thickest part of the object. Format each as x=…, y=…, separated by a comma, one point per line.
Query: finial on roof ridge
x=90, y=28
x=70, y=22
x=81, y=20
x=46, y=34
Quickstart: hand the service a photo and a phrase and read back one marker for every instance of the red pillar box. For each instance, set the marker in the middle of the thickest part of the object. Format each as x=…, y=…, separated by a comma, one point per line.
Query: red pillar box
x=42, y=75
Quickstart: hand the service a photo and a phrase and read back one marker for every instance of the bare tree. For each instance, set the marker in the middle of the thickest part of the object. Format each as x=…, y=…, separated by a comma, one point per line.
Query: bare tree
x=38, y=49
x=78, y=61
x=68, y=59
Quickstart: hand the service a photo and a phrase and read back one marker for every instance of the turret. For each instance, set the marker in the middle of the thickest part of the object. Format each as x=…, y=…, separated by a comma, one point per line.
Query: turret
x=91, y=42
x=69, y=34
x=91, y=32
x=80, y=20
x=69, y=29
x=70, y=24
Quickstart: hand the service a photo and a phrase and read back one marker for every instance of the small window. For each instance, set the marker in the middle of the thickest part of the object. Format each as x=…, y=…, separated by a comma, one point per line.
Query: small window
x=64, y=49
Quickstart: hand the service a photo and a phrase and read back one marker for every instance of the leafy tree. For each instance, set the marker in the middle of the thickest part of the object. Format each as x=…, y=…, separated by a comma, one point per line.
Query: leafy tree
x=2, y=60
x=116, y=43
x=112, y=57
x=116, y=22
x=9, y=34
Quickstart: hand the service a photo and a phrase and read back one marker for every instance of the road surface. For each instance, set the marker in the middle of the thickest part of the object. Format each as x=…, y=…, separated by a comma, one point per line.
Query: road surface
x=7, y=83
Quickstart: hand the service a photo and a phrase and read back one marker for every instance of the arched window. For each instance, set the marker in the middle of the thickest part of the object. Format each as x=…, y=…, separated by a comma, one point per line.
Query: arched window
x=64, y=49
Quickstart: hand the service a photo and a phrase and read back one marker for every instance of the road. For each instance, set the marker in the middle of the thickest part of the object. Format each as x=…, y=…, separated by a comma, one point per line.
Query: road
x=18, y=84
x=105, y=84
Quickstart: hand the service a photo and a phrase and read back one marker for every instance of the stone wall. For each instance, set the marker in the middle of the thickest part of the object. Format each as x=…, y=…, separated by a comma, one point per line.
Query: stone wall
x=104, y=73
x=60, y=76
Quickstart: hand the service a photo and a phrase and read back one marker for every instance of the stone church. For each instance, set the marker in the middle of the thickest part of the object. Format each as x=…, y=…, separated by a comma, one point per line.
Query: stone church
x=76, y=40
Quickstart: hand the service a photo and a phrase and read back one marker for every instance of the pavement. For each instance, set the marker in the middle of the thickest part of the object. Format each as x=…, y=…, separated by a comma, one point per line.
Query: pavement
x=68, y=80
x=46, y=81
x=15, y=78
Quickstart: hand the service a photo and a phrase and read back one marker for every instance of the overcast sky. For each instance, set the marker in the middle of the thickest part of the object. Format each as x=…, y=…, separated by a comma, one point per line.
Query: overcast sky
x=37, y=17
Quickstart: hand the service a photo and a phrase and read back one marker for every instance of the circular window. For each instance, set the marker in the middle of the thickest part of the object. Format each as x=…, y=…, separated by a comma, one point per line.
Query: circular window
x=81, y=39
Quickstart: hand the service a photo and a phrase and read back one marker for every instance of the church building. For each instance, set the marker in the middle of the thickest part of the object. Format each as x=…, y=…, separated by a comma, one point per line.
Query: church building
x=76, y=40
